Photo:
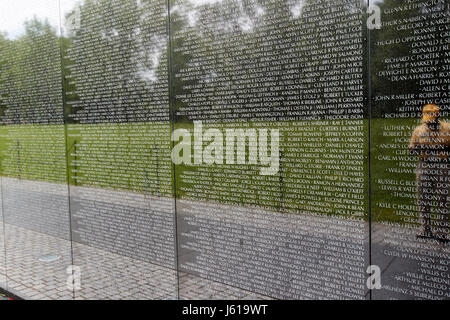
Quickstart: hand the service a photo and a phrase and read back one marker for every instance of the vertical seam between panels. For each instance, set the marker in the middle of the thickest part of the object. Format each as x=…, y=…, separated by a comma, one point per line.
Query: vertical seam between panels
x=67, y=150
x=172, y=128
x=369, y=101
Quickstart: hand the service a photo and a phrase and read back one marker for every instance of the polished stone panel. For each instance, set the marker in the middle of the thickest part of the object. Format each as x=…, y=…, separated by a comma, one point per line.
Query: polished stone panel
x=285, y=218
x=410, y=177
x=118, y=130
x=225, y=149
x=33, y=143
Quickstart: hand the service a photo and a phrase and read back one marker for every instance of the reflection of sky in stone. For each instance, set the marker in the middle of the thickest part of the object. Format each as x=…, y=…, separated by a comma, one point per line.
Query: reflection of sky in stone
x=156, y=51
x=245, y=22
x=296, y=9
x=68, y=6
x=203, y=2
x=13, y=14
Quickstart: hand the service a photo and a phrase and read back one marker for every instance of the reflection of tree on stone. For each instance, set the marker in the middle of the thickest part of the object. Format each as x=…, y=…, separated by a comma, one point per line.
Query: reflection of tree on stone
x=395, y=44
x=30, y=78
x=117, y=62
x=430, y=142
x=237, y=41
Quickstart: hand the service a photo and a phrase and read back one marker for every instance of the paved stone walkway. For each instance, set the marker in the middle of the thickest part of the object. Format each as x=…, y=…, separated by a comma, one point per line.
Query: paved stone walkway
x=39, y=251
x=104, y=275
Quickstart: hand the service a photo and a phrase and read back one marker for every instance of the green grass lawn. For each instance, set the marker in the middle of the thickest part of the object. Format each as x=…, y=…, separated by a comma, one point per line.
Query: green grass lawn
x=136, y=157
x=390, y=164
